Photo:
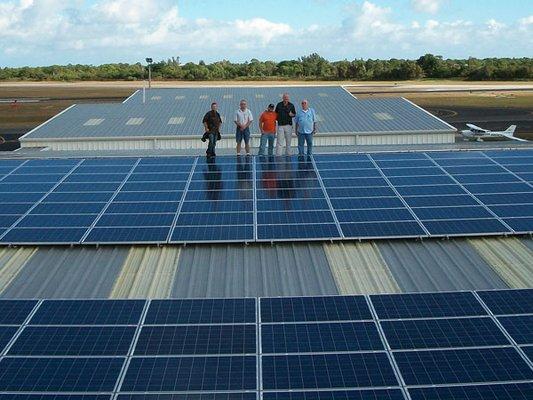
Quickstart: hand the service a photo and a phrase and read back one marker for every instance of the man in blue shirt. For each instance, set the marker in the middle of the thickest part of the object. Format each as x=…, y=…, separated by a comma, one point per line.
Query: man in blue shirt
x=305, y=121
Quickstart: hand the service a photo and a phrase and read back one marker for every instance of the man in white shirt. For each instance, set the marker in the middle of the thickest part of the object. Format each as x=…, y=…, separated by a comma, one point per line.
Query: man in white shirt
x=243, y=119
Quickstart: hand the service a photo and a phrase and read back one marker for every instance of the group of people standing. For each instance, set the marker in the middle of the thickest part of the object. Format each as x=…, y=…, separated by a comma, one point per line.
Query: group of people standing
x=275, y=123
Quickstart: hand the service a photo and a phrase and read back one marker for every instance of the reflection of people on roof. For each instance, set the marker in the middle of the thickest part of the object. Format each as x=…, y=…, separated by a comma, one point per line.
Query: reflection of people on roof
x=213, y=180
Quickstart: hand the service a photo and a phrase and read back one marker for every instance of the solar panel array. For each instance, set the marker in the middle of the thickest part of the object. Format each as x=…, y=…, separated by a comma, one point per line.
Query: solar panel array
x=247, y=199
x=456, y=345
x=179, y=112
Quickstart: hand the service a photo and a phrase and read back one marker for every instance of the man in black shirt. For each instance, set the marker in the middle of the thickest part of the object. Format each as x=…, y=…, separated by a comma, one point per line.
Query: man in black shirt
x=212, y=122
x=286, y=111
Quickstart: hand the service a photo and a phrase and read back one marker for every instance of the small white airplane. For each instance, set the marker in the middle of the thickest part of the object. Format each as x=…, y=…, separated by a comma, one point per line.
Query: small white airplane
x=478, y=134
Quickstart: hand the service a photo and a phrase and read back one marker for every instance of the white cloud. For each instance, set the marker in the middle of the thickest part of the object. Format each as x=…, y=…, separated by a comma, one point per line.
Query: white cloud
x=58, y=31
x=427, y=6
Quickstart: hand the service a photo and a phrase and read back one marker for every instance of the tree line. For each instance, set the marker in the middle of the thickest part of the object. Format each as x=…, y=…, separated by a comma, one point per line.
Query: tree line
x=310, y=67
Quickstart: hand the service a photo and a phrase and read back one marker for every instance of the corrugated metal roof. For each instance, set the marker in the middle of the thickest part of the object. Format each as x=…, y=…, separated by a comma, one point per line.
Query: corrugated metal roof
x=179, y=112
x=284, y=269
x=68, y=273
x=438, y=265
x=148, y=272
x=360, y=268
x=12, y=260
x=255, y=270
x=509, y=257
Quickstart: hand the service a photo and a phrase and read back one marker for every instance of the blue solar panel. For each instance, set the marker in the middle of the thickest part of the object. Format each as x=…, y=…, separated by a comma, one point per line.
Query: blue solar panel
x=382, y=229
x=88, y=312
x=502, y=302
x=302, y=231
x=6, y=334
x=237, y=233
x=393, y=214
x=374, y=394
x=246, y=199
x=529, y=352
x=195, y=396
x=14, y=312
x=55, y=397
x=519, y=327
x=74, y=220
x=73, y=341
x=435, y=333
x=196, y=339
x=507, y=391
x=128, y=235
x=462, y=366
x=201, y=311
x=465, y=226
x=327, y=371
x=327, y=308
x=426, y=305
x=59, y=374
x=323, y=337
x=191, y=374
x=447, y=213
x=43, y=235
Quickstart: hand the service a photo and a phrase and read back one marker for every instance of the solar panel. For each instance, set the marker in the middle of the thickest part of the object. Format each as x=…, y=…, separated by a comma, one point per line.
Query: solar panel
x=462, y=366
x=190, y=374
x=59, y=374
x=14, y=312
x=73, y=341
x=502, y=302
x=88, y=312
x=456, y=332
x=323, y=371
x=196, y=339
x=317, y=338
x=379, y=394
x=6, y=334
x=195, y=396
x=327, y=308
x=201, y=311
x=326, y=347
x=246, y=199
x=507, y=391
x=426, y=305
x=54, y=397
x=519, y=327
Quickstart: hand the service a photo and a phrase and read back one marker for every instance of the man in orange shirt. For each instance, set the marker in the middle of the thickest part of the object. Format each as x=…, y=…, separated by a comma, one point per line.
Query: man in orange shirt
x=267, y=124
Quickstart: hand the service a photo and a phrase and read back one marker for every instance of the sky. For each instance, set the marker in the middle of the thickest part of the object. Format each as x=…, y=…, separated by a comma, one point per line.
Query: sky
x=46, y=32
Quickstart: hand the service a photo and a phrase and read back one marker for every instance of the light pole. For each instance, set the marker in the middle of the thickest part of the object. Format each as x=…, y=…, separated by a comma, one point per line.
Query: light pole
x=149, y=61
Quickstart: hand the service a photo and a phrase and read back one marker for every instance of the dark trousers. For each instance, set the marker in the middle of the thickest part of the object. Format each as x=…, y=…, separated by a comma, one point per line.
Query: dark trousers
x=212, y=144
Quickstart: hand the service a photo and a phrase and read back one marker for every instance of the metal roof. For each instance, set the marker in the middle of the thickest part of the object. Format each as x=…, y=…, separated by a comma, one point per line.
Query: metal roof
x=179, y=112
x=232, y=270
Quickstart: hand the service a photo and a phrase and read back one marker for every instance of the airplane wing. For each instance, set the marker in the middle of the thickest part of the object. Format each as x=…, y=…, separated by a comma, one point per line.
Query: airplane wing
x=477, y=128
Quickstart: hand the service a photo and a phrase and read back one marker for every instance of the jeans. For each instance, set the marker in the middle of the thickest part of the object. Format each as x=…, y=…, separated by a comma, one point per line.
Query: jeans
x=267, y=138
x=212, y=144
x=242, y=135
x=284, y=136
x=305, y=138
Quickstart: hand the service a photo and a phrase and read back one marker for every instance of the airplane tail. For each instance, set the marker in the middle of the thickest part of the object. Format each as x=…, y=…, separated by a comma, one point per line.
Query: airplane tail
x=510, y=131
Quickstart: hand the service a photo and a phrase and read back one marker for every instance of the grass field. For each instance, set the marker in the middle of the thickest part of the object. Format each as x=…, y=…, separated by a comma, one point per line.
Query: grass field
x=491, y=99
